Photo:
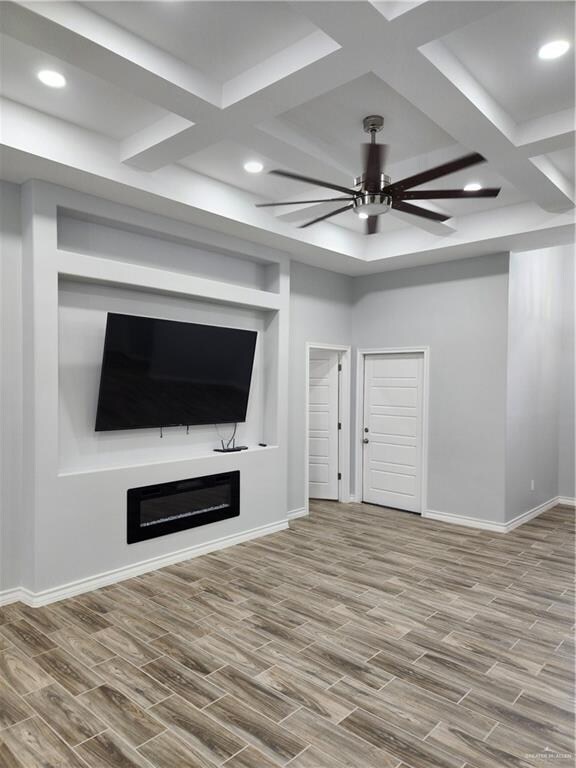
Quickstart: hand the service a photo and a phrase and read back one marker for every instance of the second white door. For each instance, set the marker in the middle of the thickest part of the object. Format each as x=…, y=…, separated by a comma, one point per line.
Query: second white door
x=323, y=424
x=392, y=436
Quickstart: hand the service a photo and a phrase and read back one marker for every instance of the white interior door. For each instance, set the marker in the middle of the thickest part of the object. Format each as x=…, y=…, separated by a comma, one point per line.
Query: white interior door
x=323, y=425
x=392, y=430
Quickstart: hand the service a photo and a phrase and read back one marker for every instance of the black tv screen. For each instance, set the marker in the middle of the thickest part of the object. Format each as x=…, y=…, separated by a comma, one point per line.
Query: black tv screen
x=161, y=373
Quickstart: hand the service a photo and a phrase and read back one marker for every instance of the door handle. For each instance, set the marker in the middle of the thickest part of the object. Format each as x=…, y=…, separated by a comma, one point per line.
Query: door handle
x=365, y=440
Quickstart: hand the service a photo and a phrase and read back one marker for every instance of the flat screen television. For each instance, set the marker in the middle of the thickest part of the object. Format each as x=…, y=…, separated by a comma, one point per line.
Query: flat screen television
x=162, y=373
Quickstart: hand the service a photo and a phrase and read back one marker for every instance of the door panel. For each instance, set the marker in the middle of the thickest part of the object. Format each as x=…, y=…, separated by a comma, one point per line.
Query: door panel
x=319, y=421
x=393, y=366
x=319, y=474
x=392, y=482
x=393, y=426
x=394, y=396
x=392, y=455
x=323, y=425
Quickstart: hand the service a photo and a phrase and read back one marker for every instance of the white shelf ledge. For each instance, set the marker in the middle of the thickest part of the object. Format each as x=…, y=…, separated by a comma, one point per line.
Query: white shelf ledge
x=173, y=460
x=99, y=270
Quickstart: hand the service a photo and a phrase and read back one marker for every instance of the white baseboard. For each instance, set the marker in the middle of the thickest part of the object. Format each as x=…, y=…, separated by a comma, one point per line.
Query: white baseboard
x=11, y=596
x=566, y=501
x=46, y=596
x=531, y=513
x=488, y=525
x=468, y=522
x=294, y=513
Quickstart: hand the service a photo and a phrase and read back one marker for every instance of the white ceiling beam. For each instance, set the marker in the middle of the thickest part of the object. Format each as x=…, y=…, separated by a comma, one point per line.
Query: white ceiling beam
x=526, y=224
x=360, y=25
x=46, y=148
x=391, y=9
x=547, y=134
x=460, y=78
x=432, y=20
x=83, y=38
x=208, y=201
x=139, y=144
x=302, y=85
x=547, y=167
x=354, y=38
x=436, y=84
x=475, y=118
x=284, y=63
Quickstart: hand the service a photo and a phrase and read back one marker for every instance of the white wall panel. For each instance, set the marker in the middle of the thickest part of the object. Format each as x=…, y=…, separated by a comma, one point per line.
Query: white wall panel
x=76, y=484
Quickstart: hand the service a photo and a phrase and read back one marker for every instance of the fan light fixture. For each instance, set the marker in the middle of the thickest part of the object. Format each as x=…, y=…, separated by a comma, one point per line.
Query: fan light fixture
x=51, y=78
x=373, y=193
x=253, y=166
x=554, y=49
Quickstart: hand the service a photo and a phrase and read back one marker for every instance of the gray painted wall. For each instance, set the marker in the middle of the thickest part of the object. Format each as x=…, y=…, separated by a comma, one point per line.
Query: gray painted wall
x=533, y=357
x=567, y=385
x=540, y=378
x=11, y=405
x=320, y=311
x=459, y=310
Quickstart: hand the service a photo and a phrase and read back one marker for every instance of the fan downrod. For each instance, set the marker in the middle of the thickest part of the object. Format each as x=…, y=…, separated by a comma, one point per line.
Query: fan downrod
x=373, y=124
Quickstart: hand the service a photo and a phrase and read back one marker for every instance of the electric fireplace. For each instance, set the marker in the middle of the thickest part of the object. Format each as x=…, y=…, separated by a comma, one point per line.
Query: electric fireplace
x=156, y=510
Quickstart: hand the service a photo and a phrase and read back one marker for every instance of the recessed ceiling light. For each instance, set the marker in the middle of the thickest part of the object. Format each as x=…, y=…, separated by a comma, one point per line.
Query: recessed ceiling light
x=362, y=215
x=51, y=78
x=554, y=49
x=472, y=187
x=253, y=166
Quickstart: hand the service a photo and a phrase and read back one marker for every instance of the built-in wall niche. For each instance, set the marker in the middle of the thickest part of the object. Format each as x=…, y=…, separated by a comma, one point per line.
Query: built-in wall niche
x=94, y=236
x=82, y=309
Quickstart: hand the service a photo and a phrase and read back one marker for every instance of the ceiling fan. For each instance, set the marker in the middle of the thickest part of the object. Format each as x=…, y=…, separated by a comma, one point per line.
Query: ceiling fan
x=374, y=193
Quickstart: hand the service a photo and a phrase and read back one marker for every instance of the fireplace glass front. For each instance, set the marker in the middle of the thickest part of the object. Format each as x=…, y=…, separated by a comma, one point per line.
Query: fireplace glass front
x=156, y=510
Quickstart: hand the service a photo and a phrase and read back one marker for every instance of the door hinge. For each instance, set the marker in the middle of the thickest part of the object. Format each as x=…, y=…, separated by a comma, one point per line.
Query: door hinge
x=339, y=425
x=339, y=366
x=339, y=475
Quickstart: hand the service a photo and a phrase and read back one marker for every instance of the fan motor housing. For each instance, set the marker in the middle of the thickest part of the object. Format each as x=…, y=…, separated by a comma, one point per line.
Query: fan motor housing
x=384, y=181
x=372, y=203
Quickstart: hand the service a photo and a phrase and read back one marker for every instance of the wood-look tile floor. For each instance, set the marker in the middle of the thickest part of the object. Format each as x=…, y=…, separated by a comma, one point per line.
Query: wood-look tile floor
x=360, y=638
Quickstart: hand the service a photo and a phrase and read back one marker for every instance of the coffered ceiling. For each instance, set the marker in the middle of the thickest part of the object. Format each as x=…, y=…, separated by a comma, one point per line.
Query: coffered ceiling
x=165, y=101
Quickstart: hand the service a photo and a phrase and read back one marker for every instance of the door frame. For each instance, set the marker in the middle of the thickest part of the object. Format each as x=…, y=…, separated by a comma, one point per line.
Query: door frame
x=359, y=455
x=344, y=418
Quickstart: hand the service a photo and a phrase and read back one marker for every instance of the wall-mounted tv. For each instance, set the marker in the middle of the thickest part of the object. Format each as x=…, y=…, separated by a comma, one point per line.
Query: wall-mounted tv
x=161, y=373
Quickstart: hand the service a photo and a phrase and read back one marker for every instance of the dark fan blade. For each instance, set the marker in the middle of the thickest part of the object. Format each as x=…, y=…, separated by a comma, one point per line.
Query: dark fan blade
x=435, y=173
x=433, y=194
x=417, y=211
x=309, y=180
x=372, y=225
x=326, y=216
x=303, y=202
x=372, y=166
